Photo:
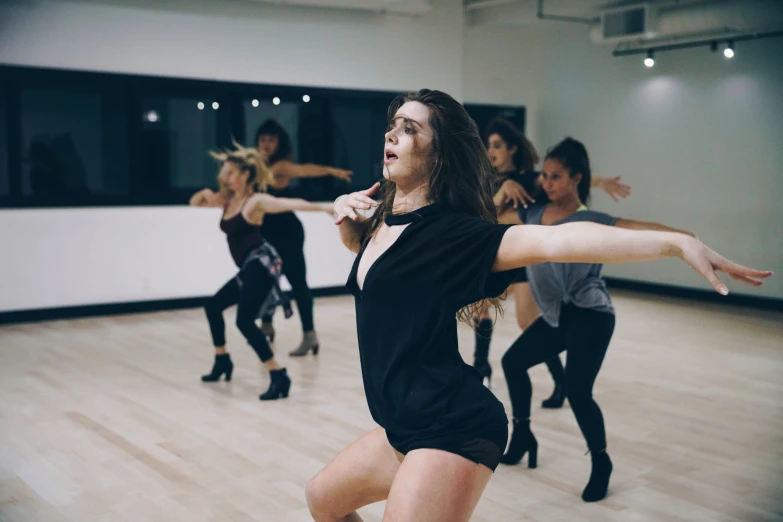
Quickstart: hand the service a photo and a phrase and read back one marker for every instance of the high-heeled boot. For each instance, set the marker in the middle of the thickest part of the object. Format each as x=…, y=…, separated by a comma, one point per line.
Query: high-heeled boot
x=599, y=477
x=481, y=355
x=269, y=330
x=278, y=387
x=555, y=367
x=223, y=365
x=309, y=342
x=522, y=441
x=557, y=398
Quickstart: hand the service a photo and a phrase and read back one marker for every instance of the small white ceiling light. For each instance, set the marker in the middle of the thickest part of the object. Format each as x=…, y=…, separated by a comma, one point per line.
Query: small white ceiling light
x=276, y=100
x=728, y=52
x=649, y=61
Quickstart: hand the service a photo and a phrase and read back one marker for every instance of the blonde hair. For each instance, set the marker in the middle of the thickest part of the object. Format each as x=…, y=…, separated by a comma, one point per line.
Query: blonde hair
x=247, y=159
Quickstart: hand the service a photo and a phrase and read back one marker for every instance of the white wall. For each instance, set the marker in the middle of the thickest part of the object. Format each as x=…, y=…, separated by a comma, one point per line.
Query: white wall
x=698, y=137
x=73, y=257
x=239, y=40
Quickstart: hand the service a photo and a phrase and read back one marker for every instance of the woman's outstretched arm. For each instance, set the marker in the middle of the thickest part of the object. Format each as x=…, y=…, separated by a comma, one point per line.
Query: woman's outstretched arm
x=593, y=243
x=206, y=198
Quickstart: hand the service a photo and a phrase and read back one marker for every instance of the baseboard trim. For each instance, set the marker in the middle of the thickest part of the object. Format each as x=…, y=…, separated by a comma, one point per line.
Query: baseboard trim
x=136, y=307
x=74, y=312
x=696, y=294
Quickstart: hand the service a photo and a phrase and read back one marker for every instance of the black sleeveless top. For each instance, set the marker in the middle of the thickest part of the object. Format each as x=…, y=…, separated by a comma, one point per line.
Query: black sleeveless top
x=283, y=228
x=243, y=237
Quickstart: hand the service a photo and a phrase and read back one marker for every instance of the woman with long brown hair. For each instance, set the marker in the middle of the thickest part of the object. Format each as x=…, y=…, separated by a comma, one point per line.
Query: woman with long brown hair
x=255, y=288
x=431, y=253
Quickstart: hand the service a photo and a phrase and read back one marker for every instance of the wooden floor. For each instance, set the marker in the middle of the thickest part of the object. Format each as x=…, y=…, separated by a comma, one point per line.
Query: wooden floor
x=106, y=419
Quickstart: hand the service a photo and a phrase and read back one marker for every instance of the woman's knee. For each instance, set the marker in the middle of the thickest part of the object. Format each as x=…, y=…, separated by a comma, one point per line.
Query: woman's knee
x=318, y=495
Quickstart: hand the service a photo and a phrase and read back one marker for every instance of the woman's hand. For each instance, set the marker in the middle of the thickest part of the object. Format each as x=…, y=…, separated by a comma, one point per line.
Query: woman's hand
x=512, y=193
x=206, y=198
x=614, y=188
x=345, y=206
x=706, y=262
x=344, y=175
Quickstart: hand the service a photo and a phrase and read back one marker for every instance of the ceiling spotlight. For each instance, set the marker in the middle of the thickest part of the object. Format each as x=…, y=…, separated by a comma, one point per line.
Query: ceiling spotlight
x=151, y=116
x=276, y=100
x=215, y=105
x=728, y=52
x=254, y=103
x=306, y=98
x=649, y=61
x=200, y=106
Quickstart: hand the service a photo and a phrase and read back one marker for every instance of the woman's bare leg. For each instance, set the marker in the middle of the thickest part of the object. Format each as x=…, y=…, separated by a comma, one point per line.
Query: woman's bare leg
x=359, y=475
x=435, y=486
x=527, y=309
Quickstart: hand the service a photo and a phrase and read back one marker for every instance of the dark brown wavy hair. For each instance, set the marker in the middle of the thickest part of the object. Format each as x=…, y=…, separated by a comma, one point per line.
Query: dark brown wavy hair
x=461, y=174
x=526, y=157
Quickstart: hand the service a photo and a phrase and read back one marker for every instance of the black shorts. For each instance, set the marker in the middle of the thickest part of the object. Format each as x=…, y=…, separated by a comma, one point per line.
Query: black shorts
x=486, y=448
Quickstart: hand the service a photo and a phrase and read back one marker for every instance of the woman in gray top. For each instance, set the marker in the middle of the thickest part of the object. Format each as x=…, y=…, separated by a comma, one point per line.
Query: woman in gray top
x=576, y=316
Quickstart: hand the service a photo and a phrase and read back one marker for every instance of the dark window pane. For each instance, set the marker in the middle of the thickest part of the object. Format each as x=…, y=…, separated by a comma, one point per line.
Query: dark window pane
x=4, y=182
x=74, y=143
x=176, y=137
x=359, y=128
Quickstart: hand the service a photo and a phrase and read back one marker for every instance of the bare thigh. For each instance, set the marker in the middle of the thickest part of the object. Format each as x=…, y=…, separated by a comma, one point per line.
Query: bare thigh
x=435, y=486
x=527, y=309
x=359, y=475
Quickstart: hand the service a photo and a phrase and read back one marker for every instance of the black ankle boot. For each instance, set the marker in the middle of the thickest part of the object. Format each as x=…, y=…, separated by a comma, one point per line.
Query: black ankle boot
x=599, y=477
x=278, y=388
x=222, y=365
x=481, y=355
x=485, y=370
x=557, y=398
x=522, y=441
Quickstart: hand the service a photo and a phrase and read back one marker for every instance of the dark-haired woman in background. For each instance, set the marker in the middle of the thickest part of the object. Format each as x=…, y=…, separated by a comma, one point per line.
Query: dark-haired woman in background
x=285, y=232
x=576, y=315
x=514, y=159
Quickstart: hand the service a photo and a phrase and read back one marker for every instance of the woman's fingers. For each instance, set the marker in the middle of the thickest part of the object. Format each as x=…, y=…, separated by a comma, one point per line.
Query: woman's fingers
x=372, y=190
x=747, y=280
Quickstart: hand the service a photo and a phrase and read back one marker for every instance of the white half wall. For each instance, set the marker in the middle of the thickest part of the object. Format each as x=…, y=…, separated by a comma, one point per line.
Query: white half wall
x=71, y=257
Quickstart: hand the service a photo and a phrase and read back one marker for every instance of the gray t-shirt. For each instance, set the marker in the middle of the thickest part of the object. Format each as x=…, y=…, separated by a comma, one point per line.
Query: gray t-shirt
x=555, y=284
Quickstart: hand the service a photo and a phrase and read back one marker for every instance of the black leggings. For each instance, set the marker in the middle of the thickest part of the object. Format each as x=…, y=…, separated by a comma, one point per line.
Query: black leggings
x=291, y=251
x=585, y=335
x=256, y=285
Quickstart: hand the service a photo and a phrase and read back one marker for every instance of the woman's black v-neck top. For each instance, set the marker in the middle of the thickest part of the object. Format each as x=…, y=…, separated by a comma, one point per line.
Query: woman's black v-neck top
x=417, y=385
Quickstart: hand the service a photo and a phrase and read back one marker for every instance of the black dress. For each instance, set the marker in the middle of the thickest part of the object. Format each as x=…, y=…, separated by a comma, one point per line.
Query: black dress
x=417, y=385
